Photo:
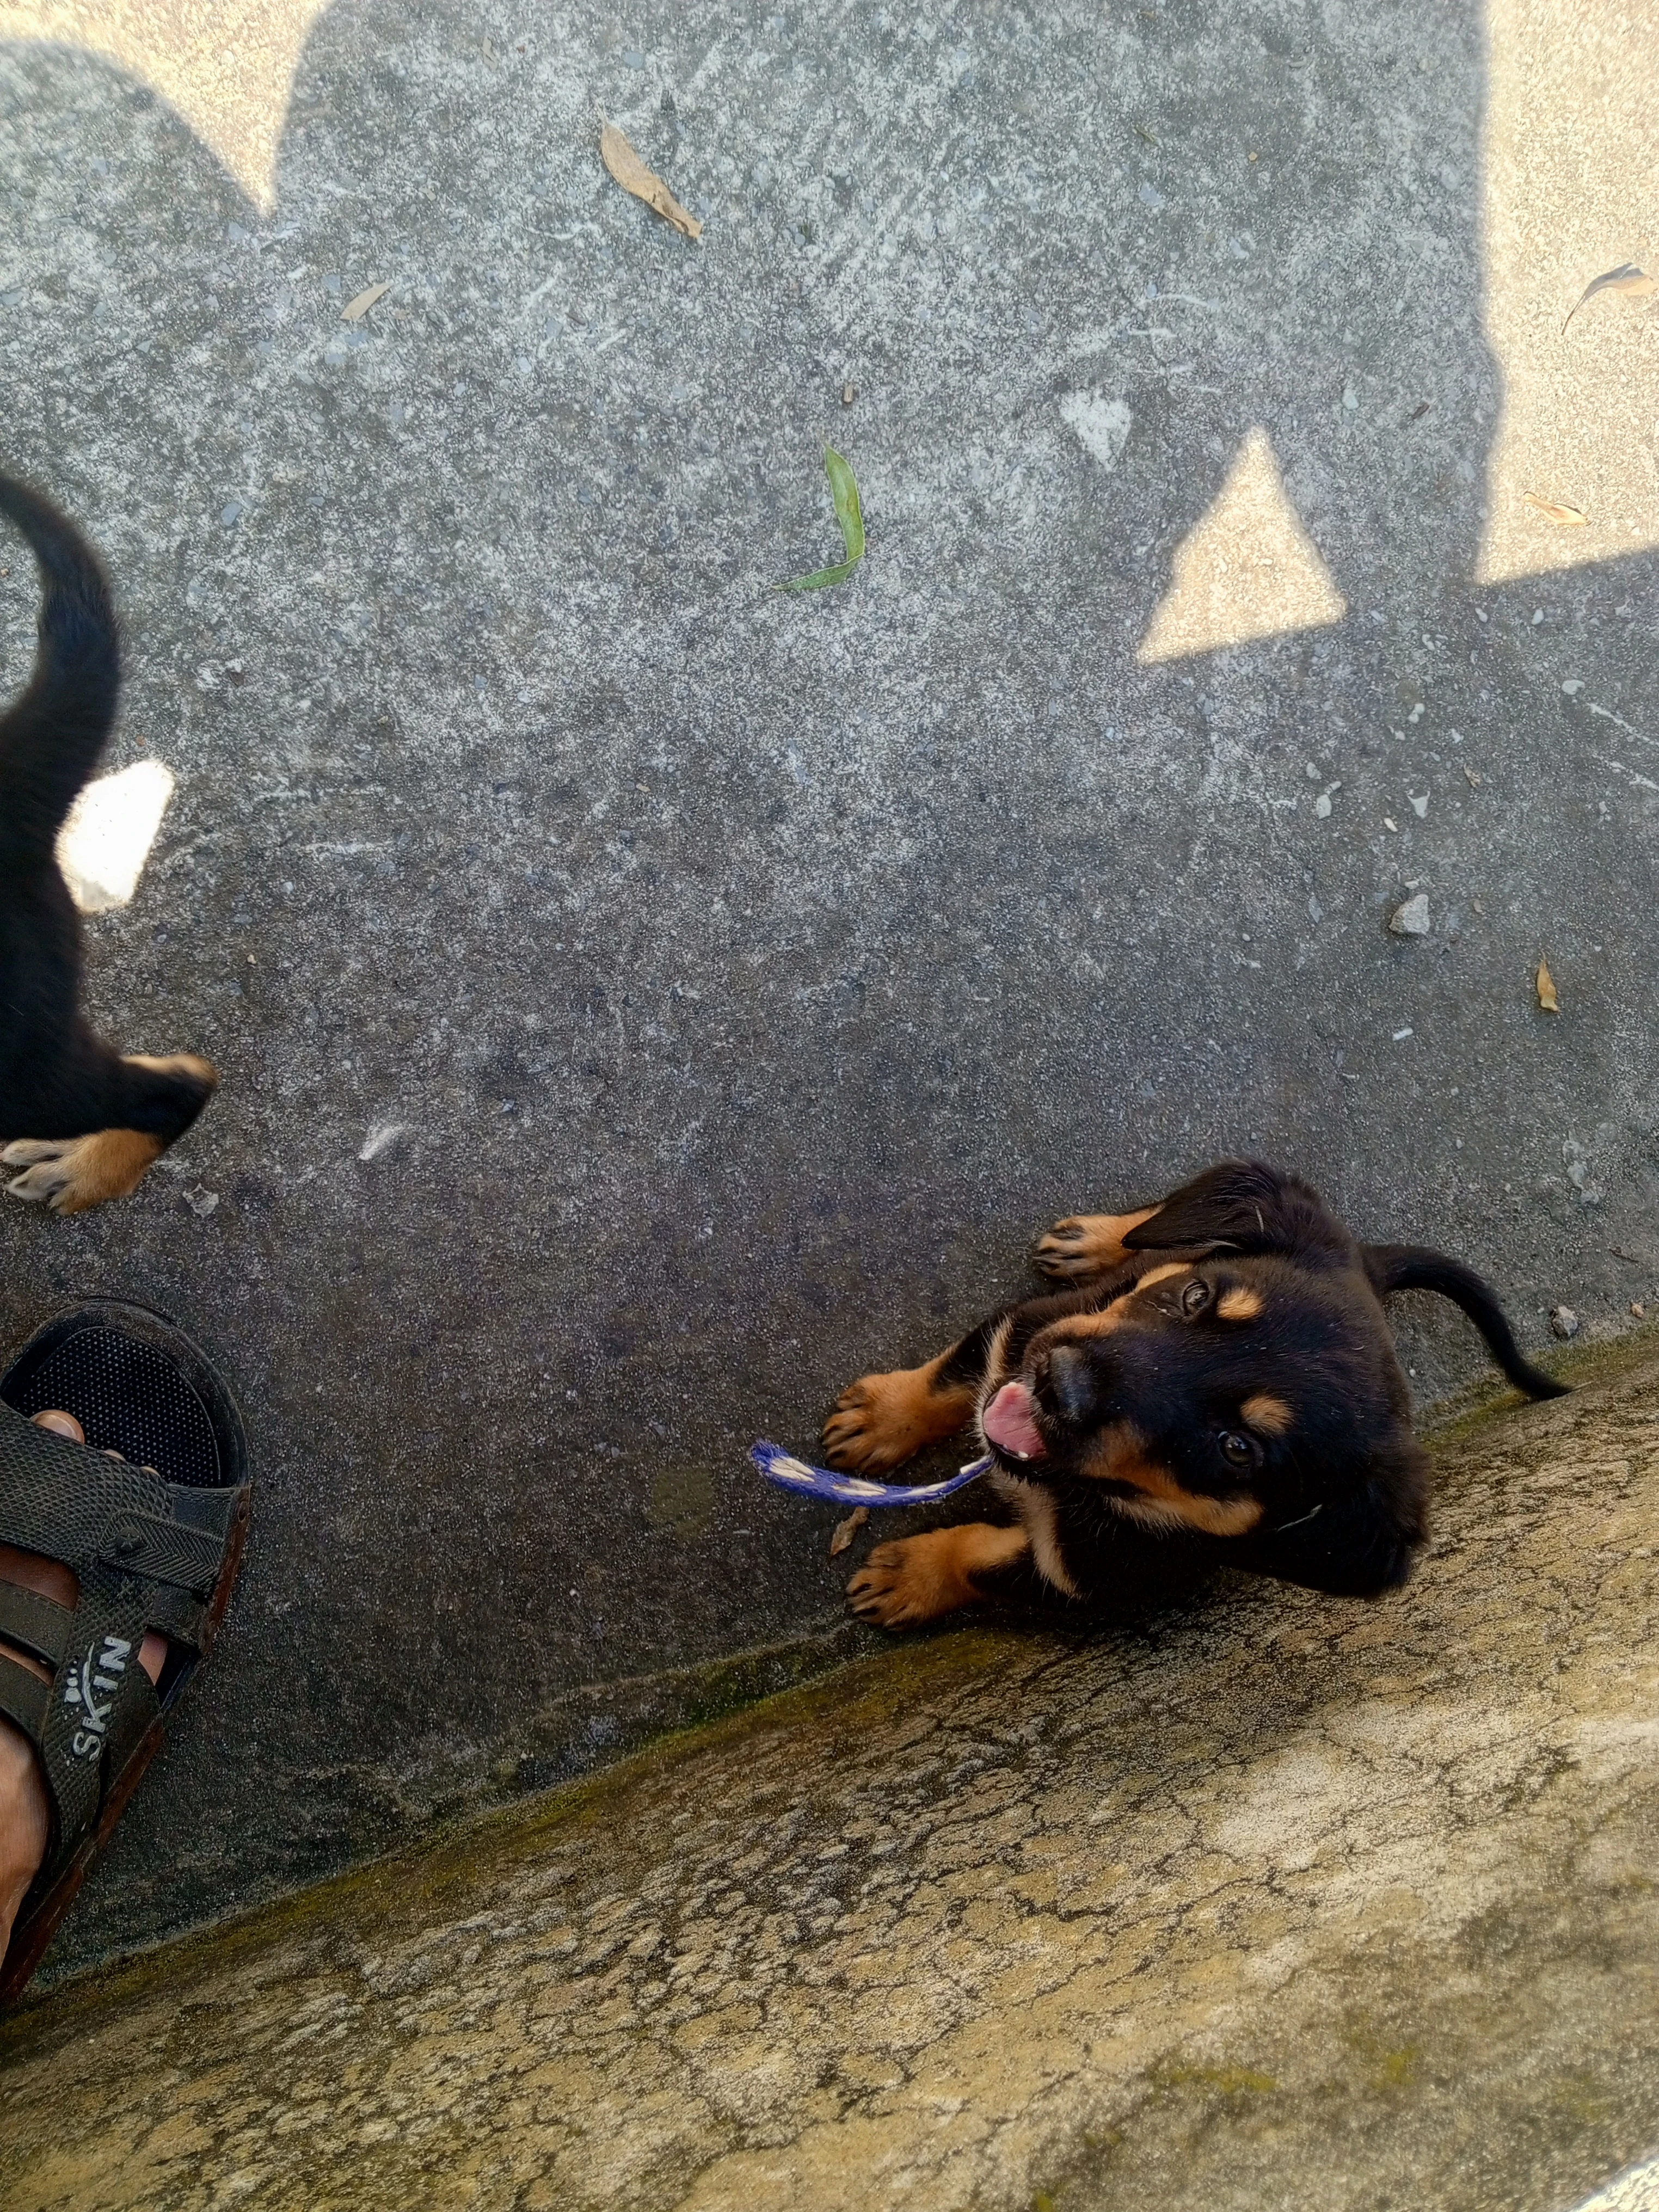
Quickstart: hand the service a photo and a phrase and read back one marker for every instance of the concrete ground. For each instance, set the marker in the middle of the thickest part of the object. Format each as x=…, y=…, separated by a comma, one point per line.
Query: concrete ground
x=1288, y=1901
x=645, y=1001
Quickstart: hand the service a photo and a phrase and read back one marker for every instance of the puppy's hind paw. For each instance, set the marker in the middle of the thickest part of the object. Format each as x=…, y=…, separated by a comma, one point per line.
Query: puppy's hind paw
x=1083, y=1245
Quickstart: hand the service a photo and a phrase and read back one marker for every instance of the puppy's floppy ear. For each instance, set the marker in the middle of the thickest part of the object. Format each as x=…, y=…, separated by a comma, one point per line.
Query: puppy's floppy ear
x=1356, y=1545
x=1246, y=1207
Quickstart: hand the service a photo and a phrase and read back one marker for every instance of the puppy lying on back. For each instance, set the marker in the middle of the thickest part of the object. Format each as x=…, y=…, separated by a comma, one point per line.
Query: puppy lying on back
x=86, y=1121
x=1217, y=1384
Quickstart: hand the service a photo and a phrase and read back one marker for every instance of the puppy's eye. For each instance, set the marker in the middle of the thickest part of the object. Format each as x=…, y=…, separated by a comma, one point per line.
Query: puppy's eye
x=1194, y=1298
x=1238, y=1451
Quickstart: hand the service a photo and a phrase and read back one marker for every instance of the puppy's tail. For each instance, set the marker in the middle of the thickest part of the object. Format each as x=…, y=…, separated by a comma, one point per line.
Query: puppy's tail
x=50, y=740
x=1414, y=1268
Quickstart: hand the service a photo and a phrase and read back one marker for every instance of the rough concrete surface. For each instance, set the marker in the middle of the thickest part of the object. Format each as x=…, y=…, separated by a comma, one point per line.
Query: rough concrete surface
x=743, y=980
x=1285, y=1901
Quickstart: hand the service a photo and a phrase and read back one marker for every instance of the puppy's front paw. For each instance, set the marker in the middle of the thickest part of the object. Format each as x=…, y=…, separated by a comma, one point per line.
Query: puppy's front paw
x=69, y=1174
x=920, y=1577
x=51, y=1170
x=895, y=1587
x=879, y=1420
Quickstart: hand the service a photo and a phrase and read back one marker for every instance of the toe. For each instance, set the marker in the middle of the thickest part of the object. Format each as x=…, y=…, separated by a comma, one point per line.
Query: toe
x=1058, y=1255
x=26, y=1150
x=847, y=1443
x=35, y=1186
x=877, y=1595
x=852, y=1451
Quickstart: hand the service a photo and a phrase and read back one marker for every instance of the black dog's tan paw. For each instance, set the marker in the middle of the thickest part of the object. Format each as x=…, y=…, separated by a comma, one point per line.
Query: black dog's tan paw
x=1087, y=1244
x=900, y=1586
x=68, y=1175
x=881, y=1419
x=922, y=1577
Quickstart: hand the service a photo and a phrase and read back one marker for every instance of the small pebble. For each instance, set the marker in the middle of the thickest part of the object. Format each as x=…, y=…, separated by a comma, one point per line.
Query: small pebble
x=1564, y=1322
x=60, y=1424
x=1412, y=919
x=1638, y=1309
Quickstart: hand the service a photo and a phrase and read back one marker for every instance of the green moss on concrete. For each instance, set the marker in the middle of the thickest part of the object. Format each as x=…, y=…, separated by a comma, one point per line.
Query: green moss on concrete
x=715, y=1706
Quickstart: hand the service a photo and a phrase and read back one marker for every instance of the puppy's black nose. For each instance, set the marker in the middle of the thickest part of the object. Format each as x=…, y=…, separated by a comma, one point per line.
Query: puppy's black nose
x=1071, y=1385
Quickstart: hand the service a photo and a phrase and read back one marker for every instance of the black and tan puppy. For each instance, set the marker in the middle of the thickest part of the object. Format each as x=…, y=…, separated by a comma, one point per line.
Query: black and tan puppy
x=85, y=1120
x=1220, y=1386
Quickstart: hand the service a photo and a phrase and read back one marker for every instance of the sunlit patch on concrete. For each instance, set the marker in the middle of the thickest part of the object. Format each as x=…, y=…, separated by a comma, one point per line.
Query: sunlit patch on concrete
x=1635, y=2191
x=103, y=846
x=1246, y=570
x=227, y=66
x=1571, y=149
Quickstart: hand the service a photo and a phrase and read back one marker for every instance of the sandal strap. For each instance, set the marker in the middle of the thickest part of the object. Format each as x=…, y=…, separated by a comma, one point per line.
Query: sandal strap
x=77, y=1505
x=37, y=1624
x=147, y=1553
x=23, y=1696
x=98, y=1705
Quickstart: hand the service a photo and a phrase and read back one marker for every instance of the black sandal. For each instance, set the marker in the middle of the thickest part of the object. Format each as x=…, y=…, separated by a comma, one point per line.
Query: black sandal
x=150, y=1550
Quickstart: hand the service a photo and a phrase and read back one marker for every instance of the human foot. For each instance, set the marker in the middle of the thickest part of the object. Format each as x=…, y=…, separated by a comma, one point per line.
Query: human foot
x=116, y=1560
x=25, y=1802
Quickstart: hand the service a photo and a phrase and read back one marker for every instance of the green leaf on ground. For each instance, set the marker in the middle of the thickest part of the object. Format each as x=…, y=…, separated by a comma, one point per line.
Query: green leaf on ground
x=844, y=490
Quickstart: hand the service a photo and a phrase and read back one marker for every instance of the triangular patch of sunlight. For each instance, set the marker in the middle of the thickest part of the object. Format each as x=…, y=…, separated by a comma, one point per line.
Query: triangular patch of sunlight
x=104, y=844
x=1571, y=147
x=227, y=66
x=1247, y=568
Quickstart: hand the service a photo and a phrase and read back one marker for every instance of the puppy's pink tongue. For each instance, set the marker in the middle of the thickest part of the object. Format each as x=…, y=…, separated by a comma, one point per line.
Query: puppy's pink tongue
x=1010, y=1422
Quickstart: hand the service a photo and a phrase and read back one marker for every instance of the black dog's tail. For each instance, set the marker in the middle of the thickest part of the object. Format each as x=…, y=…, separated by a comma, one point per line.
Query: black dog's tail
x=50, y=740
x=1414, y=1268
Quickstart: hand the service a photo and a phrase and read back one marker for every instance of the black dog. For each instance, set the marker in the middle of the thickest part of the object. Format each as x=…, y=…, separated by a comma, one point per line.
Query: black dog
x=1223, y=1387
x=88, y=1121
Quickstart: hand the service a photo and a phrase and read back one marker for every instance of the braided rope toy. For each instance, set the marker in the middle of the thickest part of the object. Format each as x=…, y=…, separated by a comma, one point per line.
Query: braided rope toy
x=788, y=1472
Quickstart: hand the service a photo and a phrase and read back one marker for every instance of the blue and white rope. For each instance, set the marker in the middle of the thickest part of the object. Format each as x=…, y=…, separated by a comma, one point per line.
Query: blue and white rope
x=791, y=1474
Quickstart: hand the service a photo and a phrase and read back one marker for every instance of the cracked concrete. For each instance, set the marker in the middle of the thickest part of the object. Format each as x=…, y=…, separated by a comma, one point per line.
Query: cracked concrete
x=644, y=1001
x=1279, y=1901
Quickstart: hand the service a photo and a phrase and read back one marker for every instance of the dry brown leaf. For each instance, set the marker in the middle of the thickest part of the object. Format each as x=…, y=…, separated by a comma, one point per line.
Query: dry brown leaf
x=631, y=173
x=1546, y=982
x=846, y=1530
x=1573, y=517
x=354, y=310
x=1635, y=284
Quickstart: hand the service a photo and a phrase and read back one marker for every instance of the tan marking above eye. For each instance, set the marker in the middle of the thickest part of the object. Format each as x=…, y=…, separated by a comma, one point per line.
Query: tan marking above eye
x=1269, y=1415
x=1242, y=1303
x=1162, y=1274
x=1089, y=1324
